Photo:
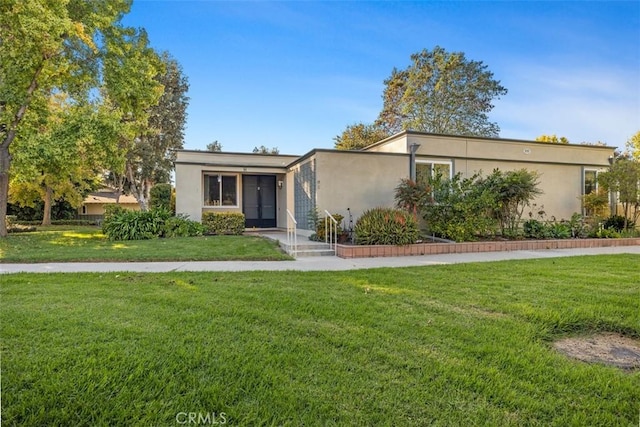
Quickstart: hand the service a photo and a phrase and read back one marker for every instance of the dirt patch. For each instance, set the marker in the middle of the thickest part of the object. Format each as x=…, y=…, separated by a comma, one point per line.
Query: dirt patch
x=610, y=349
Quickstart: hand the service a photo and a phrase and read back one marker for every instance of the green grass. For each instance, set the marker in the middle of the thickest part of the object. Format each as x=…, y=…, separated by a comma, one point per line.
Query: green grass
x=88, y=244
x=464, y=344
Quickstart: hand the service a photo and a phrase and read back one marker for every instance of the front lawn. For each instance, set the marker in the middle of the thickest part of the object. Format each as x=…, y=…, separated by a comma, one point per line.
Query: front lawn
x=88, y=244
x=465, y=344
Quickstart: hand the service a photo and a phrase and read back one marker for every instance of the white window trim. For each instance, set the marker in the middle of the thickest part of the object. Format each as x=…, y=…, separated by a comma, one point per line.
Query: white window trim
x=221, y=174
x=437, y=162
x=584, y=181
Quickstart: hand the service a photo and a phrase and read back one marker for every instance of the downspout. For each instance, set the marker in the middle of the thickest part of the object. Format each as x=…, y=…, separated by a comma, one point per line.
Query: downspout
x=412, y=160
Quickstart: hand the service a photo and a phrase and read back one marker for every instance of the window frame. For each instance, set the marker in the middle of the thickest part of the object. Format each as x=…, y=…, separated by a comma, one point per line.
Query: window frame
x=432, y=163
x=584, y=180
x=220, y=177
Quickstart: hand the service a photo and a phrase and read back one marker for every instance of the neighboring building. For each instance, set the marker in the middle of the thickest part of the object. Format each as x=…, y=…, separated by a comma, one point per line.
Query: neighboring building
x=94, y=204
x=264, y=187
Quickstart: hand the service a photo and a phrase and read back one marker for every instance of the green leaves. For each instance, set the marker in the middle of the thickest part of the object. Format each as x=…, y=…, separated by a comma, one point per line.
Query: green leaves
x=383, y=226
x=440, y=92
x=358, y=136
x=223, y=222
x=463, y=209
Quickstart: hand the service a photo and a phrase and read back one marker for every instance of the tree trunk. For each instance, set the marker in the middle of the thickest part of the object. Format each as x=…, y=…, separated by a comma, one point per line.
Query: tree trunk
x=5, y=161
x=137, y=190
x=5, y=157
x=46, y=216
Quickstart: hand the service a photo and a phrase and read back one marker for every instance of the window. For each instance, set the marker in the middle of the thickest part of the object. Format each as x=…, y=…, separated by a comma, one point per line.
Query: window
x=220, y=190
x=590, y=181
x=426, y=169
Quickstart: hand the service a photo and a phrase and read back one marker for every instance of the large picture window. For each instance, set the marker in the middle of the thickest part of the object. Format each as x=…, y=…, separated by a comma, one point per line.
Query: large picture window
x=426, y=169
x=220, y=190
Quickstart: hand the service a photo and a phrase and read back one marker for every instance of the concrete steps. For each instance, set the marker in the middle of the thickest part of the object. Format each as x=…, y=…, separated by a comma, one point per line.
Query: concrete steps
x=308, y=249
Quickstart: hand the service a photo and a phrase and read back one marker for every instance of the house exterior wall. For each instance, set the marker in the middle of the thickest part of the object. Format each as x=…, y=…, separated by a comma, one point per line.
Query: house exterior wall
x=357, y=180
x=560, y=166
x=336, y=180
x=98, y=208
x=192, y=166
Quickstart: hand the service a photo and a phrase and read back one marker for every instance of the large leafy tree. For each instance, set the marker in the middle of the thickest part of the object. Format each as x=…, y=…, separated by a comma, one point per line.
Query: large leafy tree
x=64, y=158
x=441, y=92
x=358, y=136
x=156, y=115
x=46, y=46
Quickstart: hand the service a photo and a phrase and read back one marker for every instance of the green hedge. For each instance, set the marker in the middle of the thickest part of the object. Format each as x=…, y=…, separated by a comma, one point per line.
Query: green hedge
x=223, y=222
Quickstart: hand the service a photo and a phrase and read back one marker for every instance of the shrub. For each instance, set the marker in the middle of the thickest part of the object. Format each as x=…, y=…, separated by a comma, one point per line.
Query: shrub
x=384, y=226
x=411, y=196
x=181, y=226
x=320, y=228
x=535, y=229
x=559, y=230
x=223, y=222
x=512, y=192
x=579, y=227
x=604, y=233
x=124, y=224
x=458, y=208
x=160, y=196
x=617, y=222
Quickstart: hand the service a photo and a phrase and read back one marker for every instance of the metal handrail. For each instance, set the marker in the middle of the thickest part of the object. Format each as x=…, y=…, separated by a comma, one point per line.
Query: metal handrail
x=331, y=232
x=292, y=233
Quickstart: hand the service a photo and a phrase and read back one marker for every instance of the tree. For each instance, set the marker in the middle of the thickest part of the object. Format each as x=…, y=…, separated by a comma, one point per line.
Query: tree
x=160, y=128
x=264, y=150
x=63, y=159
x=133, y=86
x=633, y=146
x=623, y=179
x=513, y=191
x=46, y=46
x=214, y=146
x=440, y=92
x=358, y=136
x=552, y=138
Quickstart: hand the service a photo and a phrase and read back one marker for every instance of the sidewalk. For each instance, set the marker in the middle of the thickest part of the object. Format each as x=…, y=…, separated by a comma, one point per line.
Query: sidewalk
x=324, y=263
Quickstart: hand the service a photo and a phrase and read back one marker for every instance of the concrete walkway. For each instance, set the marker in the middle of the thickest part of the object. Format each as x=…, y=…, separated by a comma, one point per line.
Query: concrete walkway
x=324, y=263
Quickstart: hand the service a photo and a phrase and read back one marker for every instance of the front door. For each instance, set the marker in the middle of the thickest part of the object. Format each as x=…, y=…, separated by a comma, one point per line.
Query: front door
x=259, y=200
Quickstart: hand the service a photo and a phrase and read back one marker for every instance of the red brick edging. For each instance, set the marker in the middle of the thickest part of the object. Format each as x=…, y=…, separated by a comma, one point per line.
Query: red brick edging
x=355, y=251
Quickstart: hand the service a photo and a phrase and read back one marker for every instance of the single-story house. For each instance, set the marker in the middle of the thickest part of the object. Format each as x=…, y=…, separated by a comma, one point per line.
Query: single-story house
x=265, y=187
x=94, y=204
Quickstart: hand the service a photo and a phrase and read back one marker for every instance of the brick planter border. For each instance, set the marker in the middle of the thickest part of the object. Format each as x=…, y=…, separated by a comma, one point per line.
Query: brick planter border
x=355, y=251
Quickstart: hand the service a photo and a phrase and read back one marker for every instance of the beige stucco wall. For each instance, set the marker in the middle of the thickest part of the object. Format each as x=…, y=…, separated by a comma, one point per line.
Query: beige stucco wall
x=191, y=166
x=98, y=208
x=360, y=180
x=560, y=165
x=394, y=144
x=357, y=180
x=561, y=185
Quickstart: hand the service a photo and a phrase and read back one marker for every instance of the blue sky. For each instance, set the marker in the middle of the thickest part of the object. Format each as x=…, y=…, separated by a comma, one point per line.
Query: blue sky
x=293, y=75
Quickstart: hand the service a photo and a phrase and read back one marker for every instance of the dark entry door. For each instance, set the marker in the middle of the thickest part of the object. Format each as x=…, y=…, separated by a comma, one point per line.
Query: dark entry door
x=259, y=200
